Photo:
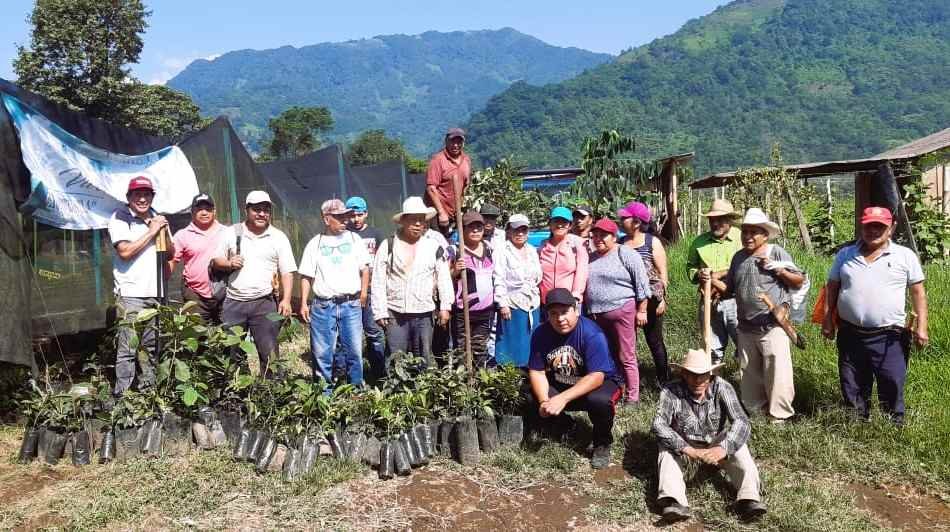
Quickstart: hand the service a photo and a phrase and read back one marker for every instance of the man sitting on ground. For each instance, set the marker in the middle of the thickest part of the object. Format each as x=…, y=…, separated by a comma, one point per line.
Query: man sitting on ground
x=699, y=418
x=570, y=369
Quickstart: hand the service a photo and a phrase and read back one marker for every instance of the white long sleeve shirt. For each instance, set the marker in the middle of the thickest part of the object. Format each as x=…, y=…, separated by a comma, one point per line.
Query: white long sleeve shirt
x=407, y=281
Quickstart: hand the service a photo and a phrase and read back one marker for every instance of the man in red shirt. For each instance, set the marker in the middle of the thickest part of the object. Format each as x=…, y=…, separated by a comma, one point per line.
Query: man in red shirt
x=443, y=167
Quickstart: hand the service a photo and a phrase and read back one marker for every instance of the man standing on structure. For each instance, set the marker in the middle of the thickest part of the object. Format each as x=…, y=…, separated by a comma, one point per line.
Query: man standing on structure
x=133, y=229
x=262, y=267
x=444, y=167
x=195, y=246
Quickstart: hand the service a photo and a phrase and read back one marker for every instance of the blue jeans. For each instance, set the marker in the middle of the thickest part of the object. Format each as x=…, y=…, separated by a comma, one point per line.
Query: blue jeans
x=723, y=322
x=330, y=321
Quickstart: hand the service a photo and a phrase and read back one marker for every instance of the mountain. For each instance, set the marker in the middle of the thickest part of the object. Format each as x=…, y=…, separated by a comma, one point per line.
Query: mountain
x=827, y=79
x=412, y=86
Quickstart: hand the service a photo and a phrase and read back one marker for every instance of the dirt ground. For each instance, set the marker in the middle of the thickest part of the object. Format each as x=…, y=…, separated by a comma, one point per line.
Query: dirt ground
x=439, y=497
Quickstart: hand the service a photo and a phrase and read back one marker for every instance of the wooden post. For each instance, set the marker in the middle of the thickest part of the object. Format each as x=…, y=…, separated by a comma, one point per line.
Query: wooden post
x=463, y=277
x=802, y=225
x=707, y=313
x=830, y=208
x=903, y=222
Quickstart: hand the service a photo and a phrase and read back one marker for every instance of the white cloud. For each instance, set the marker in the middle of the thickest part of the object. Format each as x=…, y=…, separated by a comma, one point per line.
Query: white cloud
x=169, y=67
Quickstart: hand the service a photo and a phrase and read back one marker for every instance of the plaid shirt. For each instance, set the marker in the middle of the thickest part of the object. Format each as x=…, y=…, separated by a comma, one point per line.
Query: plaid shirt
x=681, y=420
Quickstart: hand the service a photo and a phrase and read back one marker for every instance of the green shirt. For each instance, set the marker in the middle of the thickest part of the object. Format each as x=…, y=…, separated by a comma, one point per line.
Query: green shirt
x=707, y=252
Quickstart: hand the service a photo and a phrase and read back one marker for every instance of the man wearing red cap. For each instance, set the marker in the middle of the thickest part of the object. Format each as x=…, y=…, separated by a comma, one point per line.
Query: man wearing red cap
x=444, y=166
x=866, y=290
x=133, y=229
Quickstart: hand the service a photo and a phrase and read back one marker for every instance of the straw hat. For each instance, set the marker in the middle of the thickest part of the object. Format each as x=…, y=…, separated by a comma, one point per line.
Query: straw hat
x=698, y=362
x=757, y=218
x=722, y=207
x=414, y=205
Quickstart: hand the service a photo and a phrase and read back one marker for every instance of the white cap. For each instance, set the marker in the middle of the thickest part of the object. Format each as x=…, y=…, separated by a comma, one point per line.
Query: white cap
x=257, y=196
x=518, y=220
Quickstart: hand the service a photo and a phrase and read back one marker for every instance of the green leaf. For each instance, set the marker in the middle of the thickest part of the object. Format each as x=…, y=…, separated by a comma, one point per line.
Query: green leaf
x=146, y=315
x=191, y=344
x=248, y=347
x=190, y=396
x=275, y=316
x=182, y=373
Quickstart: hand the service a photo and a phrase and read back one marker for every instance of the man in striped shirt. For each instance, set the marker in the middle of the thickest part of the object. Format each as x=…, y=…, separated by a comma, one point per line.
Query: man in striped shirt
x=409, y=270
x=700, y=419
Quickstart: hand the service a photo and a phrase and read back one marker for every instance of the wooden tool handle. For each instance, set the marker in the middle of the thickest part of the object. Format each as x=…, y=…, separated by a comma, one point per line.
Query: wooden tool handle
x=707, y=314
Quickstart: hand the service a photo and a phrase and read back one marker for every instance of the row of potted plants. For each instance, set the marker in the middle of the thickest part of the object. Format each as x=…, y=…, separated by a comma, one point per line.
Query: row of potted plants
x=203, y=396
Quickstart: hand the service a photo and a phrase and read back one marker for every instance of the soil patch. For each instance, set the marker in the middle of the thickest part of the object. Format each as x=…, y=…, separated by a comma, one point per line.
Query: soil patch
x=451, y=501
x=15, y=489
x=615, y=473
x=902, y=507
x=42, y=522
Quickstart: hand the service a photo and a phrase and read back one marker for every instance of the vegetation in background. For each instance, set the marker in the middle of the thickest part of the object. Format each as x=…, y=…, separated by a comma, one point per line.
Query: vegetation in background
x=296, y=132
x=611, y=176
x=411, y=86
x=930, y=225
x=374, y=147
x=828, y=79
x=79, y=55
x=501, y=186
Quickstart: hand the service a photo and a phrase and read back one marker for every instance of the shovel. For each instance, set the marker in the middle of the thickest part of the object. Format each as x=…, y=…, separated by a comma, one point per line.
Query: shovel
x=780, y=313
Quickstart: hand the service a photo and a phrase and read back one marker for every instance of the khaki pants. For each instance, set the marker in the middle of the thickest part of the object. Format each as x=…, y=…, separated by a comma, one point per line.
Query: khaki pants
x=740, y=469
x=765, y=362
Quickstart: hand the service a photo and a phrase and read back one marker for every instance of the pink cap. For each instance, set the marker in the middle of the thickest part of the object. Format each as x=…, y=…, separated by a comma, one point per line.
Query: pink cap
x=637, y=210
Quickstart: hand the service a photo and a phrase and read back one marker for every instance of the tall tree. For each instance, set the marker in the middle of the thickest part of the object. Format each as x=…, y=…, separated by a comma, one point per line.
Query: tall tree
x=80, y=53
x=297, y=131
x=374, y=147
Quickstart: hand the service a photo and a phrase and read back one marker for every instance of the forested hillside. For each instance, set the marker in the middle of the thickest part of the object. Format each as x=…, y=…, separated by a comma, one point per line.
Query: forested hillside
x=825, y=78
x=411, y=86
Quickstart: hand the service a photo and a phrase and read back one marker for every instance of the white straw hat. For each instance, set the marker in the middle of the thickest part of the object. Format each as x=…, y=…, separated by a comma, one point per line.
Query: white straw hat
x=756, y=217
x=414, y=205
x=697, y=361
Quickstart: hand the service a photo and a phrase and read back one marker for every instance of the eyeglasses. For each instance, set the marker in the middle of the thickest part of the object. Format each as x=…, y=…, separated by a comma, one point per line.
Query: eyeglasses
x=344, y=249
x=260, y=208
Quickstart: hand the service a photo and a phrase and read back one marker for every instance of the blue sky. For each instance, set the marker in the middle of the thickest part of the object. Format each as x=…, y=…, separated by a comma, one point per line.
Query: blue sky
x=181, y=31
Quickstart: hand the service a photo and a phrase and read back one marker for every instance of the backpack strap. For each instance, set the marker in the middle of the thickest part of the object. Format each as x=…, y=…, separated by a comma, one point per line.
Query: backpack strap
x=238, y=232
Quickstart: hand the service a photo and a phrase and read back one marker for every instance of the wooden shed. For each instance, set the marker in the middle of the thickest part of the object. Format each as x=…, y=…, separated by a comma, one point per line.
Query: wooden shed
x=878, y=179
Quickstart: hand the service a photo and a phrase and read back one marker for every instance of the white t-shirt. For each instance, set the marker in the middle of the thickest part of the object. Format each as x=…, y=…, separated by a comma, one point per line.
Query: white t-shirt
x=264, y=255
x=334, y=262
x=138, y=276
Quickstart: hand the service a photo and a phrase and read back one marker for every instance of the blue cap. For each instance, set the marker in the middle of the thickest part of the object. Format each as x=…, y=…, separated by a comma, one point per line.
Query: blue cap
x=356, y=203
x=561, y=212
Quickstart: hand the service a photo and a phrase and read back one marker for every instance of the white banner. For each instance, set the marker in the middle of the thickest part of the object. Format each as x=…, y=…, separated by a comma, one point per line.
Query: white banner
x=75, y=185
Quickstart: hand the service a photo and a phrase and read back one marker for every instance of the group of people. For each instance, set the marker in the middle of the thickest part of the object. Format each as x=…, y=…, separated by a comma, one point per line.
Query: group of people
x=567, y=311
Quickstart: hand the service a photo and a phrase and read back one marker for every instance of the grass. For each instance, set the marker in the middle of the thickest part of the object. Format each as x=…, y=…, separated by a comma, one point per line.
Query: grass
x=806, y=466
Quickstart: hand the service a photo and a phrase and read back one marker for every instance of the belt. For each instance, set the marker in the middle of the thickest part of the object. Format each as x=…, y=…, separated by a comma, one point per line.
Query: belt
x=340, y=299
x=871, y=331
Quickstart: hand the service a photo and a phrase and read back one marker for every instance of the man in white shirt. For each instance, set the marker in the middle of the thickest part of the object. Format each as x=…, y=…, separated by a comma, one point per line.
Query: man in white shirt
x=409, y=271
x=133, y=230
x=261, y=263
x=334, y=273
x=866, y=292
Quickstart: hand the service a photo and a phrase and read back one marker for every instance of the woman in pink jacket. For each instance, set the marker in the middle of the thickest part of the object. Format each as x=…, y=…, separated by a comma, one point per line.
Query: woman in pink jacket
x=563, y=257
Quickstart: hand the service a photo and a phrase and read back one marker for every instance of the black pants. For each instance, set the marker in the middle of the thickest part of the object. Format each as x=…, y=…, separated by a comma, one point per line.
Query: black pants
x=252, y=315
x=599, y=405
x=208, y=308
x=480, y=324
x=867, y=357
x=653, y=333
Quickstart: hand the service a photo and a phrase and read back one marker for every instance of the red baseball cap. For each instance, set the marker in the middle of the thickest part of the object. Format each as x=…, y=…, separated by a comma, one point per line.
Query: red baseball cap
x=140, y=183
x=606, y=225
x=880, y=215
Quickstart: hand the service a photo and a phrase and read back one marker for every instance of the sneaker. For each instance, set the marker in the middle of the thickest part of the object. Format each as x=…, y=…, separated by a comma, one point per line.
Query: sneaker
x=674, y=512
x=750, y=510
x=600, y=457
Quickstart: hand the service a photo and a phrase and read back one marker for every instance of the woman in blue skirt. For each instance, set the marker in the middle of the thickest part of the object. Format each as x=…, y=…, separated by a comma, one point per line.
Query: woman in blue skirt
x=517, y=276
